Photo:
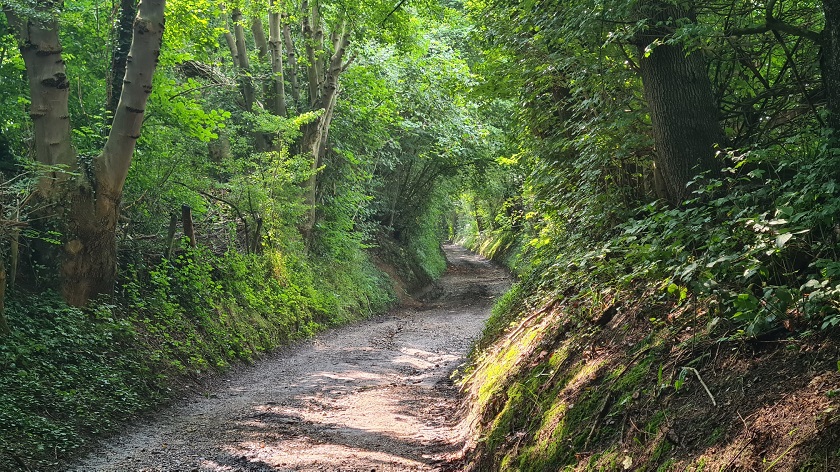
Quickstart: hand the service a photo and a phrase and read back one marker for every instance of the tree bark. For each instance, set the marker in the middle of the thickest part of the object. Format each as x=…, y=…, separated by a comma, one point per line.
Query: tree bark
x=49, y=92
x=243, y=63
x=831, y=62
x=4, y=325
x=258, y=31
x=122, y=43
x=234, y=53
x=187, y=222
x=90, y=253
x=291, y=56
x=316, y=134
x=682, y=106
x=275, y=44
x=313, y=78
x=318, y=40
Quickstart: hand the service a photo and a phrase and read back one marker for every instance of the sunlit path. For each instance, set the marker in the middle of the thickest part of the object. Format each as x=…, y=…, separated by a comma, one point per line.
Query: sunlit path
x=374, y=396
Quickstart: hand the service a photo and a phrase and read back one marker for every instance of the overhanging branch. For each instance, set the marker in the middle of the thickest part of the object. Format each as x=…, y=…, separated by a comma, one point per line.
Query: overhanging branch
x=771, y=23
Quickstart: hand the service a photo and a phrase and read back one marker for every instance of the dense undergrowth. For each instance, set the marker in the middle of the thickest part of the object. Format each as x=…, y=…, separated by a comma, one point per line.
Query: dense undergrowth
x=593, y=360
x=68, y=375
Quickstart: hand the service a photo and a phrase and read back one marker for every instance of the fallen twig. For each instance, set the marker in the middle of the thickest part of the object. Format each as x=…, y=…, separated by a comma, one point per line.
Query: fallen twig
x=692, y=369
x=776, y=460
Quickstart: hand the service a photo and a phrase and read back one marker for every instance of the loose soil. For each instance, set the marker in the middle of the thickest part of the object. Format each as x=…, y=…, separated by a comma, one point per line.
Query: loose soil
x=374, y=396
x=617, y=399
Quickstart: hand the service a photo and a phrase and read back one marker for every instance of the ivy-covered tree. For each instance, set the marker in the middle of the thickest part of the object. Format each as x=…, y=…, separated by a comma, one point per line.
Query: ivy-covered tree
x=683, y=112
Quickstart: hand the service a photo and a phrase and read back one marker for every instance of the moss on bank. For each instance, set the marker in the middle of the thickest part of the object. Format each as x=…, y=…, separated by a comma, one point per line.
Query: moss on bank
x=564, y=387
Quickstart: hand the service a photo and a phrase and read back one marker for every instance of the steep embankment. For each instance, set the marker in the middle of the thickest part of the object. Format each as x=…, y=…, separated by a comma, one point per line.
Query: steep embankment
x=636, y=381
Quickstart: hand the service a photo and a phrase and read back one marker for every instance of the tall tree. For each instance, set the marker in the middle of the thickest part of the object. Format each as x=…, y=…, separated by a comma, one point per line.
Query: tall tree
x=831, y=61
x=683, y=110
x=87, y=195
x=123, y=32
x=325, y=65
x=240, y=57
x=275, y=44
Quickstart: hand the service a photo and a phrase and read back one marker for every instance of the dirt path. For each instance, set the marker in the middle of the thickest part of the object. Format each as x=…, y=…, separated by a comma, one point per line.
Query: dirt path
x=374, y=396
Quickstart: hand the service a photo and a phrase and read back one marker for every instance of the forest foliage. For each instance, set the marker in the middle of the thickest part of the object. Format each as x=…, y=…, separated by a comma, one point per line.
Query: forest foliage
x=160, y=230
x=579, y=197
x=668, y=186
x=286, y=150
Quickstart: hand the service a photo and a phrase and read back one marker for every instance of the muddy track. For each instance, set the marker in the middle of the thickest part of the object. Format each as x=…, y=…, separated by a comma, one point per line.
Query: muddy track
x=371, y=396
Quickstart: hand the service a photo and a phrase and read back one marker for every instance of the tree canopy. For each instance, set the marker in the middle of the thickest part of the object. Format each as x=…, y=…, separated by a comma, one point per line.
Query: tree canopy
x=252, y=161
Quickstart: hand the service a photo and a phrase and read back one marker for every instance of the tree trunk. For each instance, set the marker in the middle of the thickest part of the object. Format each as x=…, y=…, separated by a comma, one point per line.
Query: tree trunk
x=234, y=53
x=243, y=63
x=682, y=107
x=278, y=91
x=259, y=37
x=318, y=40
x=313, y=78
x=831, y=62
x=187, y=222
x=291, y=56
x=4, y=325
x=310, y=144
x=315, y=134
x=122, y=43
x=48, y=90
x=329, y=112
x=90, y=254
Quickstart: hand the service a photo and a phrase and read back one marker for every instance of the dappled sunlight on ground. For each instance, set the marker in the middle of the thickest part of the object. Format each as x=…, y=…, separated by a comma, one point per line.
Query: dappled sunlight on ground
x=375, y=396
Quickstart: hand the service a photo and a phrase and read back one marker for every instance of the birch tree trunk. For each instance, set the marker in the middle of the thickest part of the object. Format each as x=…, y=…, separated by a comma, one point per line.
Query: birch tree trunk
x=90, y=264
x=49, y=91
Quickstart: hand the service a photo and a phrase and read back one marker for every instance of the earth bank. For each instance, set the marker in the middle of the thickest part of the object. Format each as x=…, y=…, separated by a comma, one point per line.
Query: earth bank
x=639, y=382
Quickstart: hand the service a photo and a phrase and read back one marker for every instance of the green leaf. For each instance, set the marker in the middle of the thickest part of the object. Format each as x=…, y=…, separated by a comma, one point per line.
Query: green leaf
x=782, y=239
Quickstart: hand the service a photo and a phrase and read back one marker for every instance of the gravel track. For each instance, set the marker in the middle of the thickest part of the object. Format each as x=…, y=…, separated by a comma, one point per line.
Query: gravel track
x=373, y=396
